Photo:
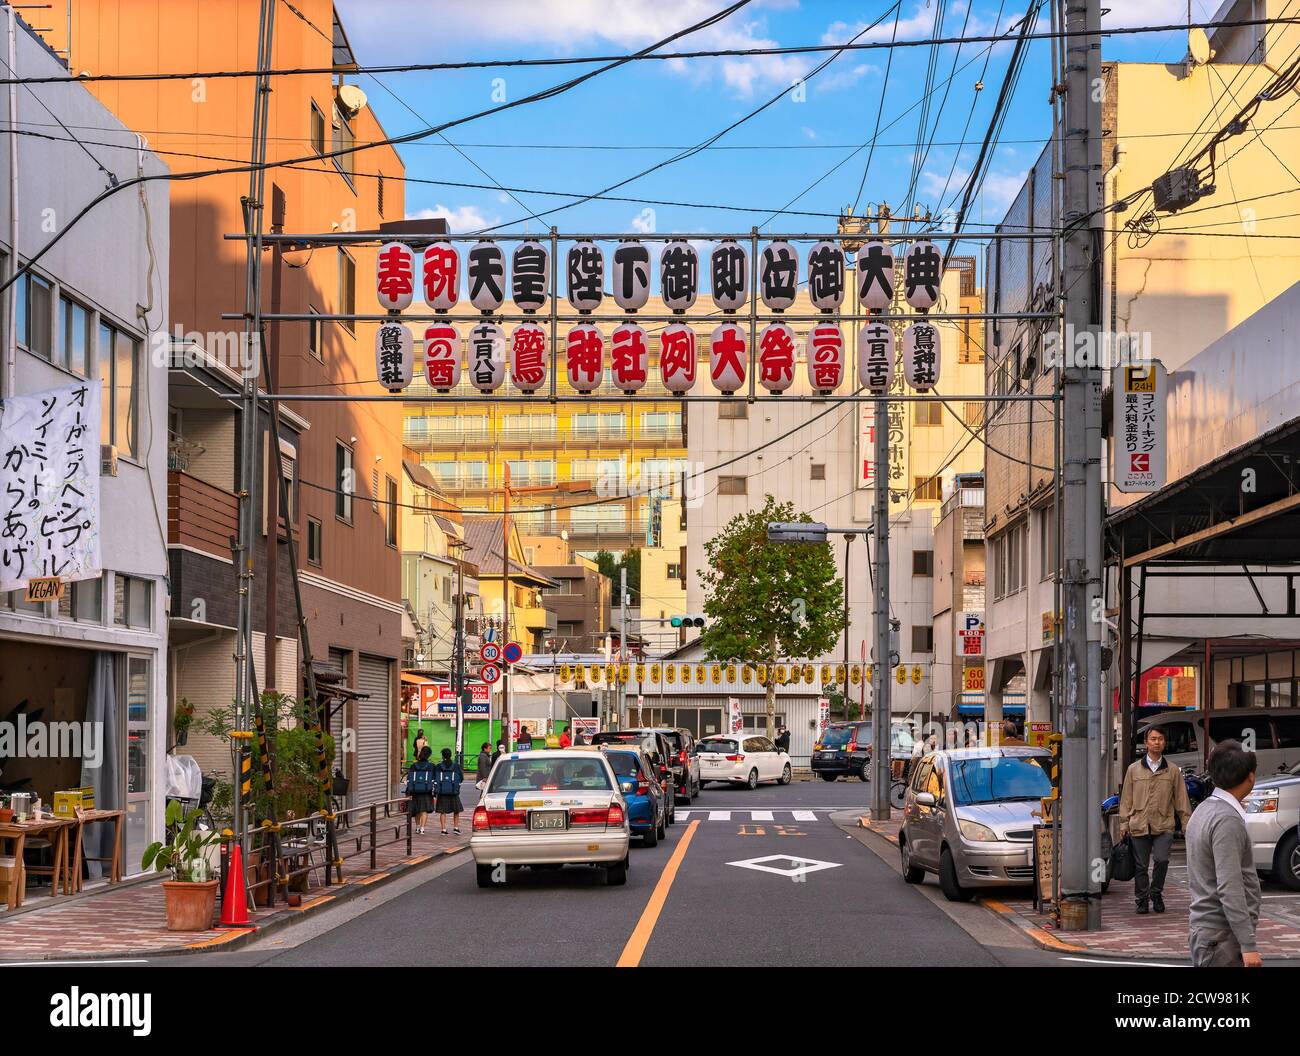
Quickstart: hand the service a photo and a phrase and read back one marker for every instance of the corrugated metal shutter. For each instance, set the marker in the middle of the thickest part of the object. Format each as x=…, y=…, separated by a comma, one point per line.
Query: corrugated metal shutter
x=374, y=676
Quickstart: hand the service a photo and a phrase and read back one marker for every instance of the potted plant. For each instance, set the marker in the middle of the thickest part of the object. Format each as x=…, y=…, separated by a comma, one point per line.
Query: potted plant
x=191, y=896
x=183, y=720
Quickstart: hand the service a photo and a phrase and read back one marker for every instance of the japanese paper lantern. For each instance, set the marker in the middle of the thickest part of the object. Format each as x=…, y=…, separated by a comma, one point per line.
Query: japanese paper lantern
x=826, y=357
x=528, y=351
x=394, y=356
x=728, y=354
x=679, y=272
x=485, y=274
x=530, y=276
x=729, y=275
x=629, y=357
x=876, y=356
x=921, y=355
x=487, y=357
x=584, y=357
x=586, y=276
x=442, y=356
x=826, y=276
x=776, y=357
x=441, y=276
x=395, y=276
x=875, y=276
x=922, y=274
x=631, y=279
x=677, y=358
x=778, y=274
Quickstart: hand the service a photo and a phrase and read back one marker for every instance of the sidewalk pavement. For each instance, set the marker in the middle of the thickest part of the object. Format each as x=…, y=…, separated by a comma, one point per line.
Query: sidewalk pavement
x=130, y=919
x=1158, y=936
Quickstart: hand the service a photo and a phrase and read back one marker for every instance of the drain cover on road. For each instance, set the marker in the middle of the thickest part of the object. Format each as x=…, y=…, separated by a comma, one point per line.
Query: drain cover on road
x=785, y=865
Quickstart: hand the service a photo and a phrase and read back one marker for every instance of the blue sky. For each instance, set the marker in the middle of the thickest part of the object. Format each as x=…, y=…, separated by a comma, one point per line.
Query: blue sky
x=639, y=115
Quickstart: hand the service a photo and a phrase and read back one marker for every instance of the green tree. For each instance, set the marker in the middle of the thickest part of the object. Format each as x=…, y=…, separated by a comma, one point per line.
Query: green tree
x=609, y=566
x=769, y=602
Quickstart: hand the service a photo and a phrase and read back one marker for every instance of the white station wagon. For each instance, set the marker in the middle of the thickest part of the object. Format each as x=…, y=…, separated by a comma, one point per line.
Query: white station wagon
x=547, y=809
x=742, y=759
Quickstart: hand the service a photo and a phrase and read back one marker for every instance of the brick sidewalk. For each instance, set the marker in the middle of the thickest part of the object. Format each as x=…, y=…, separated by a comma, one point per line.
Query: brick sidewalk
x=131, y=919
x=1123, y=933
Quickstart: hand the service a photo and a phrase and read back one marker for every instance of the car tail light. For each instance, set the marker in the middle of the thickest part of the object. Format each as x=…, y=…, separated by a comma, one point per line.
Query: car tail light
x=681, y=757
x=643, y=788
x=735, y=758
x=615, y=815
x=485, y=819
x=590, y=816
x=480, y=818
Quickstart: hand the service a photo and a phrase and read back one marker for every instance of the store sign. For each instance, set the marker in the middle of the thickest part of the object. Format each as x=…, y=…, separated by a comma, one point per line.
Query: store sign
x=823, y=714
x=49, y=486
x=972, y=680
x=735, y=723
x=970, y=633
x=438, y=700
x=1140, y=441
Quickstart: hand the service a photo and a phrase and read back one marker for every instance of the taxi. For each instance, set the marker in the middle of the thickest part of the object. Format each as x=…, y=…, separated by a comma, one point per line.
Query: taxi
x=548, y=809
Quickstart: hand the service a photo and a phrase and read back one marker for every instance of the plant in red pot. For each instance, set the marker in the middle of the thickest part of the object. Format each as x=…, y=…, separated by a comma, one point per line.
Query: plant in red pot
x=191, y=896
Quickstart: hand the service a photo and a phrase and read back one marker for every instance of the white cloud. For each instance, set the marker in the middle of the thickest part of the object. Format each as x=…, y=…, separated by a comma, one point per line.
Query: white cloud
x=461, y=220
x=643, y=223
x=810, y=133
x=837, y=80
x=997, y=193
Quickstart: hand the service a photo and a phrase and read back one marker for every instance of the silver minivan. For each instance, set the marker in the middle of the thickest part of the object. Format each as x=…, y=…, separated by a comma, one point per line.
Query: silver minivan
x=1275, y=733
x=968, y=817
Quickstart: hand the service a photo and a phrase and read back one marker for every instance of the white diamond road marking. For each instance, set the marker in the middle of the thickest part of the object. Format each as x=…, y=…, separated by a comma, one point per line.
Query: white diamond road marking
x=798, y=866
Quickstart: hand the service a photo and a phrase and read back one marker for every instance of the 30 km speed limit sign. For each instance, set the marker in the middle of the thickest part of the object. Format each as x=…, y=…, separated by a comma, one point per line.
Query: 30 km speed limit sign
x=491, y=652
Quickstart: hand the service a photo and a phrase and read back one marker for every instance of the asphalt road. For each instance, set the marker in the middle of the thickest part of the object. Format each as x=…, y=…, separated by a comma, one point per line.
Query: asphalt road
x=834, y=898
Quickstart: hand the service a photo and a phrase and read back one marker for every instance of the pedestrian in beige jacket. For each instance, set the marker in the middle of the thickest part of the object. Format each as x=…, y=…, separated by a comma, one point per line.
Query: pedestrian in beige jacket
x=1153, y=795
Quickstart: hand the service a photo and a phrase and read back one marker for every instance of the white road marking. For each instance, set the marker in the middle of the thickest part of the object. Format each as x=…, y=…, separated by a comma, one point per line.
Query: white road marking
x=57, y=964
x=760, y=815
x=685, y=814
x=1106, y=962
x=798, y=867
x=804, y=815
x=719, y=815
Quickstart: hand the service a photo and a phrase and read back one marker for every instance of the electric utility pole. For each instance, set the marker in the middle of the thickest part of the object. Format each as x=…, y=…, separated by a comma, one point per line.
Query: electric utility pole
x=1081, y=710
x=623, y=655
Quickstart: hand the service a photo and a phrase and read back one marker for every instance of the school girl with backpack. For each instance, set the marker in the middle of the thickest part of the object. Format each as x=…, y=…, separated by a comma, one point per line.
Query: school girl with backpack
x=446, y=783
x=420, y=781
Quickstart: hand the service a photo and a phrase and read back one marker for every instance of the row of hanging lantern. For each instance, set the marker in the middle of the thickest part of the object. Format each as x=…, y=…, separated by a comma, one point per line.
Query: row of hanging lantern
x=584, y=344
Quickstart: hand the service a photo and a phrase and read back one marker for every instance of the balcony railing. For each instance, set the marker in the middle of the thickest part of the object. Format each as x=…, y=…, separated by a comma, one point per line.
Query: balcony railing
x=200, y=515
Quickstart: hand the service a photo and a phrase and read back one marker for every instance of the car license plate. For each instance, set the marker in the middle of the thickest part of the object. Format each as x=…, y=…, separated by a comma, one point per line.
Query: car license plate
x=547, y=820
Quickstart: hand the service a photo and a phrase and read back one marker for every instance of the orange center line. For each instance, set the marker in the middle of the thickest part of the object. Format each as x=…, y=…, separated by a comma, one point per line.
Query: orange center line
x=636, y=944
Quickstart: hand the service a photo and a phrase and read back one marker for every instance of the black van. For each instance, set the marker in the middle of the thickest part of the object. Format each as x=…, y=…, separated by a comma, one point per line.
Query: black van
x=844, y=748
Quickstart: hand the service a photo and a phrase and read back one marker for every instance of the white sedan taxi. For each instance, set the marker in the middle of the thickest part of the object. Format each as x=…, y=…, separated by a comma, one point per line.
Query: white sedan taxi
x=547, y=809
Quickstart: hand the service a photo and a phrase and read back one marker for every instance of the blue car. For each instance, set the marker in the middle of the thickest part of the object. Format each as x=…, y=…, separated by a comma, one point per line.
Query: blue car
x=647, y=804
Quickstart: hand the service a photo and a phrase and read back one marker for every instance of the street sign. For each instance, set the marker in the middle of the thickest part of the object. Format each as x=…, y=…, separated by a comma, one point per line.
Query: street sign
x=970, y=633
x=513, y=652
x=1140, y=444
x=490, y=673
x=491, y=652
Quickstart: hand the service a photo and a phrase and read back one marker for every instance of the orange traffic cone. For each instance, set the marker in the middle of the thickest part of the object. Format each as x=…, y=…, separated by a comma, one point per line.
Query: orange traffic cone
x=234, y=906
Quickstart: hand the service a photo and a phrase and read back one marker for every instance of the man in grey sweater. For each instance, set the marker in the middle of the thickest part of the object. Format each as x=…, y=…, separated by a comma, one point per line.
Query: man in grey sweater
x=1221, y=868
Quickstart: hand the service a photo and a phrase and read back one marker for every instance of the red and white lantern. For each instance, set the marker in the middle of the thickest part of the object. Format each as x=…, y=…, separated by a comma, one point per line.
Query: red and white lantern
x=629, y=357
x=394, y=356
x=921, y=356
x=584, y=357
x=728, y=354
x=487, y=357
x=776, y=357
x=876, y=357
x=826, y=357
x=528, y=350
x=395, y=276
x=441, y=276
x=677, y=358
x=442, y=356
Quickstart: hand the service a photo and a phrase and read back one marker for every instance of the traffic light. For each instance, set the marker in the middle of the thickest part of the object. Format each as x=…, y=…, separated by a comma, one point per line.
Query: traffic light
x=687, y=621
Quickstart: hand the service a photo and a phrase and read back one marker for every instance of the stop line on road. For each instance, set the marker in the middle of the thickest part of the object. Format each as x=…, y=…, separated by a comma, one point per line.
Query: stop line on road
x=747, y=815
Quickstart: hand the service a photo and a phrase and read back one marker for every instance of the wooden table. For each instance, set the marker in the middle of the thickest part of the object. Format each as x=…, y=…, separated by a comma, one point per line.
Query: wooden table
x=92, y=817
x=56, y=830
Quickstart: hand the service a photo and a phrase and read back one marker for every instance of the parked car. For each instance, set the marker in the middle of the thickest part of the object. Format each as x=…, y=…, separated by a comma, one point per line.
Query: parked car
x=682, y=760
x=550, y=808
x=844, y=749
x=967, y=817
x=1272, y=822
x=743, y=759
x=647, y=802
x=1276, y=733
x=657, y=746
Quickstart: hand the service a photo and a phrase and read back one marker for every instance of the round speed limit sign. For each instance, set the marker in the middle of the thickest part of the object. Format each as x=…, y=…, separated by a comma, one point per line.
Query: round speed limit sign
x=491, y=652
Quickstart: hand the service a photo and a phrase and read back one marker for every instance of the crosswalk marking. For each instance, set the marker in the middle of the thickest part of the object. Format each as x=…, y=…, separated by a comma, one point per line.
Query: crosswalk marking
x=760, y=815
x=748, y=815
x=804, y=815
x=719, y=815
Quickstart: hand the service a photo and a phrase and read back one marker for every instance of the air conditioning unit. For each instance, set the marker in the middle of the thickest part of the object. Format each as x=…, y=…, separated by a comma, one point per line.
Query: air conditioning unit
x=108, y=460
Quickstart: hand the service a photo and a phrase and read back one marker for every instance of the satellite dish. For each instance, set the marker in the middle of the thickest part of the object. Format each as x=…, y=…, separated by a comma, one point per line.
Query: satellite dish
x=352, y=99
x=1198, y=46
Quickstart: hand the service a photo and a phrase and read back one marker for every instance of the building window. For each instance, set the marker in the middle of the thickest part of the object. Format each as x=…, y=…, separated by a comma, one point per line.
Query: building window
x=927, y=412
x=973, y=412
x=317, y=129
x=922, y=562
x=342, y=139
x=132, y=598
x=927, y=488
x=76, y=336
x=733, y=409
x=119, y=361
x=313, y=334
x=345, y=481
x=1047, y=561
x=731, y=486
x=922, y=639
x=674, y=570
x=817, y=471
x=313, y=540
x=347, y=289
x=390, y=528
x=34, y=302
x=1009, y=561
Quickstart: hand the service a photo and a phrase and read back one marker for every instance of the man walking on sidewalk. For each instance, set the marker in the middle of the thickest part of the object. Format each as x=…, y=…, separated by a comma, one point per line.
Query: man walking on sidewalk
x=1221, y=868
x=1153, y=794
